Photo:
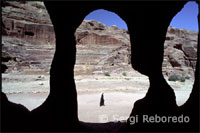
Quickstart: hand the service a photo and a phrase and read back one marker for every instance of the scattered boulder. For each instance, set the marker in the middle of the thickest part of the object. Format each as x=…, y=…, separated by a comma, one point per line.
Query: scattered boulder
x=40, y=77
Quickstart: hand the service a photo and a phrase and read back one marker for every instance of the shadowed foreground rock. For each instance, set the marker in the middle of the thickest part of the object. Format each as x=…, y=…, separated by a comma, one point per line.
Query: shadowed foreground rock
x=147, y=23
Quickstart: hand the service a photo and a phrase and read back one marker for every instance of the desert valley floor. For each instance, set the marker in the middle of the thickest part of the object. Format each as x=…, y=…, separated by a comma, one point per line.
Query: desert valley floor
x=119, y=92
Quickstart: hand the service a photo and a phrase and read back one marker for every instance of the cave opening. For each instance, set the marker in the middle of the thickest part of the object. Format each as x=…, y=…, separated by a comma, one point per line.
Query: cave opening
x=103, y=66
x=180, y=52
x=61, y=105
x=25, y=66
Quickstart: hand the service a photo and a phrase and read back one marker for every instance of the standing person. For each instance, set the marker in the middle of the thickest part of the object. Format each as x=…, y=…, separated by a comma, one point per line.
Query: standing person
x=102, y=100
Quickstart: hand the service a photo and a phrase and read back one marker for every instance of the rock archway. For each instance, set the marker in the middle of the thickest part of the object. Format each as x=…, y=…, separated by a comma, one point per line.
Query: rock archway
x=103, y=65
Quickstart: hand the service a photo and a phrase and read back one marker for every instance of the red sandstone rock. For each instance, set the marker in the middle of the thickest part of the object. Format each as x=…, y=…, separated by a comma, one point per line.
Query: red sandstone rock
x=28, y=35
x=93, y=32
x=28, y=21
x=176, y=57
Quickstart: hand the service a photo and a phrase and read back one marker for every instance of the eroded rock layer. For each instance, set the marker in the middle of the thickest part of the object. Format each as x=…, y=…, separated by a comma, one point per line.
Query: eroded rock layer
x=28, y=39
x=180, y=52
x=28, y=44
x=101, y=49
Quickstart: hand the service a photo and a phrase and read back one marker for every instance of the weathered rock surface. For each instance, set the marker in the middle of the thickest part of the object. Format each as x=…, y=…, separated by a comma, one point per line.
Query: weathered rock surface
x=93, y=32
x=28, y=44
x=27, y=20
x=101, y=48
x=180, y=52
x=27, y=35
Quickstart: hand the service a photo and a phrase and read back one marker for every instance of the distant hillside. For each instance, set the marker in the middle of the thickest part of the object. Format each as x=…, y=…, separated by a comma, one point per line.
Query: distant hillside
x=28, y=44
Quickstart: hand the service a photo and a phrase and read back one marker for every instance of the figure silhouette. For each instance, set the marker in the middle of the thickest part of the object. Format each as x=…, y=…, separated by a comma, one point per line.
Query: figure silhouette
x=102, y=100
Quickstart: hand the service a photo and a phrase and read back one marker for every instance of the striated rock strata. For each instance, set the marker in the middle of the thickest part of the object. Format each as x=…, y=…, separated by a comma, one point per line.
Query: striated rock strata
x=101, y=49
x=28, y=38
x=28, y=44
x=180, y=53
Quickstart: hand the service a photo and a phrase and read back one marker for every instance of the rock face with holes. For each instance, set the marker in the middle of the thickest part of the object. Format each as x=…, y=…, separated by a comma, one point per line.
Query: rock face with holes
x=27, y=20
x=28, y=44
x=28, y=38
x=101, y=48
x=180, y=52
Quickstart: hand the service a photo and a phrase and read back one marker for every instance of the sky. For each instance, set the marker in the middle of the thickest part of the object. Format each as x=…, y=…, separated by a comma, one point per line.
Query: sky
x=186, y=18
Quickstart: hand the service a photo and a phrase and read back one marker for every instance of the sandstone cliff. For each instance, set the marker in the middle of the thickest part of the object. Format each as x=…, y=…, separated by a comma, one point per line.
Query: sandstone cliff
x=27, y=37
x=28, y=44
x=101, y=48
x=180, y=52
x=28, y=21
x=111, y=50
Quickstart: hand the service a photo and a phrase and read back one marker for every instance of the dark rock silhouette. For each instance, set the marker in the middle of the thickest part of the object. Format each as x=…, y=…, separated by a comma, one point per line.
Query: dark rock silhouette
x=102, y=100
x=147, y=23
x=3, y=68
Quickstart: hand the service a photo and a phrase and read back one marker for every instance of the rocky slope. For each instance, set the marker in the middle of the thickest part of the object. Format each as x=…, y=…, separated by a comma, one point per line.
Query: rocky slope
x=101, y=49
x=28, y=44
x=28, y=38
x=180, y=52
x=28, y=21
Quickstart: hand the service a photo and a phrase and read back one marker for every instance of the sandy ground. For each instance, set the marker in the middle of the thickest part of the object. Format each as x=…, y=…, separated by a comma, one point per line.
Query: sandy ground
x=120, y=93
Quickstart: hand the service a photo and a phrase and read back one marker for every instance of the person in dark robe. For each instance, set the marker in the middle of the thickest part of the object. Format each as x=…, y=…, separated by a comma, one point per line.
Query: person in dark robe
x=102, y=100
